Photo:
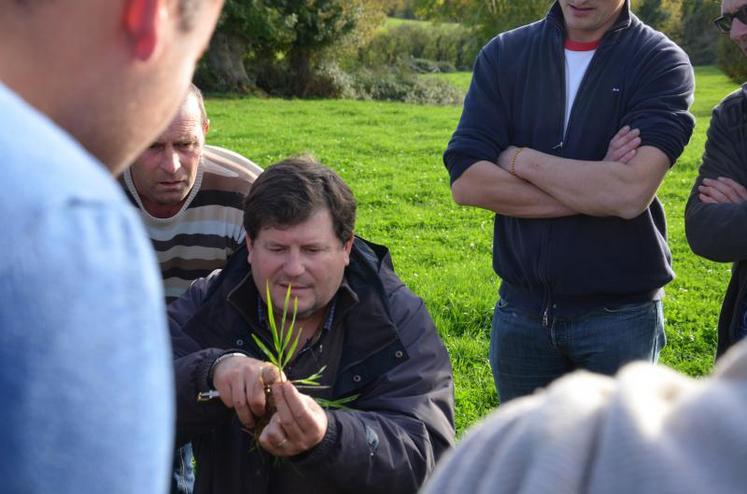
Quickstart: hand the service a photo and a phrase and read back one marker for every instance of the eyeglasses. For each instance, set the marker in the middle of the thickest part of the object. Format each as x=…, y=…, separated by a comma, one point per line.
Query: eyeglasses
x=724, y=22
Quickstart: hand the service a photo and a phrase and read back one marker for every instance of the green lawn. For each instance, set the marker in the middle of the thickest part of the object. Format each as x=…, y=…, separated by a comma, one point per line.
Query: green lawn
x=390, y=154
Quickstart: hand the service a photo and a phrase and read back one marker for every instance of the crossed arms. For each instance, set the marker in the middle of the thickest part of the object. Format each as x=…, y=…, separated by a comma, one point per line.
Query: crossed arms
x=717, y=209
x=623, y=184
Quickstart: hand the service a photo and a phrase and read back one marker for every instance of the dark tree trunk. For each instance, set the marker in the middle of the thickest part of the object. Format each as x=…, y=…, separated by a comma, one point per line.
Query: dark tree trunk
x=225, y=64
x=300, y=61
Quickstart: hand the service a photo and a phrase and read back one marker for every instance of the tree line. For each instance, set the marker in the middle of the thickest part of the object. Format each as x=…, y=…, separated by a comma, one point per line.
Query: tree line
x=333, y=48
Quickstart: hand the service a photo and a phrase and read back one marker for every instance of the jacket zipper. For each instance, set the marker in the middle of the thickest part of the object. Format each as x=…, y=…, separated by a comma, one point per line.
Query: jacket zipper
x=547, y=302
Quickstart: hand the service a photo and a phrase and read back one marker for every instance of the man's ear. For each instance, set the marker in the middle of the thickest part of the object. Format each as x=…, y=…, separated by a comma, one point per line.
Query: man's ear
x=249, y=245
x=347, y=246
x=141, y=25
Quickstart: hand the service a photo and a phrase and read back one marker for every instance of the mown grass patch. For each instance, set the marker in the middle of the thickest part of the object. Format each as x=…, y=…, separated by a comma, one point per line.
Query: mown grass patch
x=390, y=154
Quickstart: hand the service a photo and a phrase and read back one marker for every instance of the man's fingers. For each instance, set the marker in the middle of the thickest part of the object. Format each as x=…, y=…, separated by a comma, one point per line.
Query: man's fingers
x=722, y=191
x=622, y=143
x=740, y=192
x=628, y=156
x=285, y=402
x=240, y=404
x=256, y=392
x=706, y=200
x=625, y=150
x=275, y=441
x=269, y=374
x=716, y=195
x=620, y=133
x=624, y=136
x=308, y=416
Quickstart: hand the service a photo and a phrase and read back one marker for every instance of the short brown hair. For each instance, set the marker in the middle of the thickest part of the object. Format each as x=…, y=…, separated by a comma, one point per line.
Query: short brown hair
x=289, y=192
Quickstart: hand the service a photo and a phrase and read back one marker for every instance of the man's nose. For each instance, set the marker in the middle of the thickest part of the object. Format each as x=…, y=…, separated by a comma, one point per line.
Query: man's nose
x=293, y=265
x=170, y=161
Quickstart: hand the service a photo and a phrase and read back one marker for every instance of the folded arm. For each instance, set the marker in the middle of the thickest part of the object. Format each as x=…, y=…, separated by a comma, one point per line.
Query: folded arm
x=596, y=188
x=487, y=186
x=491, y=187
x=717, y=209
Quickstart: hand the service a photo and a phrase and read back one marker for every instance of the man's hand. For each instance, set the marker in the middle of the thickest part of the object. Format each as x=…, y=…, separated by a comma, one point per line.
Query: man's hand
x=623, y=146
x=298, y=425
x=240, y=381
x=722, y=190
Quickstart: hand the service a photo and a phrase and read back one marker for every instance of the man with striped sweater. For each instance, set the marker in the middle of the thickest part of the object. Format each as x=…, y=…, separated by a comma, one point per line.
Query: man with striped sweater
x=190, y=197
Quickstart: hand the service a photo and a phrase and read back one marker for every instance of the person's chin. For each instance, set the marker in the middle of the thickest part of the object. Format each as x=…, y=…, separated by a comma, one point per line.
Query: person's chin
x=171, y=197
x=306, y=311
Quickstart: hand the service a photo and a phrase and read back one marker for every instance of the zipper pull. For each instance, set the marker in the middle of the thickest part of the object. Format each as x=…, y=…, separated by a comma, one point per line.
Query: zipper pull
x=545, y=317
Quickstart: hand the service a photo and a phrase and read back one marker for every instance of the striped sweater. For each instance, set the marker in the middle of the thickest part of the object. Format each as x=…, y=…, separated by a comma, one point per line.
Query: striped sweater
x=209, y=226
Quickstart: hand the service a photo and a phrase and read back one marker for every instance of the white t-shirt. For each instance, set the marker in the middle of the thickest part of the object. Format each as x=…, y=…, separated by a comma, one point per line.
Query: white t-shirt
x=578, y=55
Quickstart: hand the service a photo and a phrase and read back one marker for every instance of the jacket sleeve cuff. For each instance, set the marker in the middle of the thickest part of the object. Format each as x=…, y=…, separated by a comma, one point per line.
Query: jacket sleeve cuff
x=457, y=164
x=204, y=370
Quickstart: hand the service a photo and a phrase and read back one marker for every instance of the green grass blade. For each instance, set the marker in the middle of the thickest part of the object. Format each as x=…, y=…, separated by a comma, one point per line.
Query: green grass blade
x=283, y=330
x=339, y=403
x=312, y=380
x=271, y=320
x=317, y=375
x=289, y=332
x=307, y=381
x=272, y=358
x=289, y=354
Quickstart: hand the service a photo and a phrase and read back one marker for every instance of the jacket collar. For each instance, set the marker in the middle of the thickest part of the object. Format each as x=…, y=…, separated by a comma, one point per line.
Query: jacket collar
x=624, y=20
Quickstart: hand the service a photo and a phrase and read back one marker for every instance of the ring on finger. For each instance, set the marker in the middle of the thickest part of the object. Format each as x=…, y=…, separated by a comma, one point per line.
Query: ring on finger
x=282, y=443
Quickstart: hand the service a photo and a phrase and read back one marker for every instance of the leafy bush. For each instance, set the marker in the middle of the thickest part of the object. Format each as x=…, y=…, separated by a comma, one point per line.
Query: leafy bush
x=731, y=60
x=453, y=44
x=699, y=35
x=487, y=18
x=663, y=15
x=396, y=84
x=425, y=66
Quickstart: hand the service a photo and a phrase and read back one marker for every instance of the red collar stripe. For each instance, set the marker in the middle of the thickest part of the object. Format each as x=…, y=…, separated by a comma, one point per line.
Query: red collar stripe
x=581, y=45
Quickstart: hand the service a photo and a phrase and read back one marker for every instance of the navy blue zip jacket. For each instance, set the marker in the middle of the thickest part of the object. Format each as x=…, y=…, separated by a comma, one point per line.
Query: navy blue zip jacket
x=637, y=77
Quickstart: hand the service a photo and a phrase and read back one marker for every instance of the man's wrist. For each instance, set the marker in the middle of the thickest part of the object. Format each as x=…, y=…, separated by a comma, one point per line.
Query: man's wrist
x=218, y=360
x=514, y=158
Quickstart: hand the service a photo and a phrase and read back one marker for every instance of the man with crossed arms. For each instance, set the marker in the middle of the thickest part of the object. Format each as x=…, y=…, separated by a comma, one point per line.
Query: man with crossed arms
x=580, y=238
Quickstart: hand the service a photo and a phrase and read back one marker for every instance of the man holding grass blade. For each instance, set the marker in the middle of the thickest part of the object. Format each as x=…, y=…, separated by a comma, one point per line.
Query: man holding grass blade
x=579, y=236
x=360, y=343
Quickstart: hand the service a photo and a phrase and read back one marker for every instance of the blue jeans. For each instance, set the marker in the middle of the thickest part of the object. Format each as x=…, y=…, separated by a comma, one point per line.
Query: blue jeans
x=525, y=355
x=183, y=477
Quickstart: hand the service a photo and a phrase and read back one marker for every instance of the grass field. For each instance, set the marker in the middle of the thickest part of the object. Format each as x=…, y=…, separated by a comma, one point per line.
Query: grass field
x=390, y=154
